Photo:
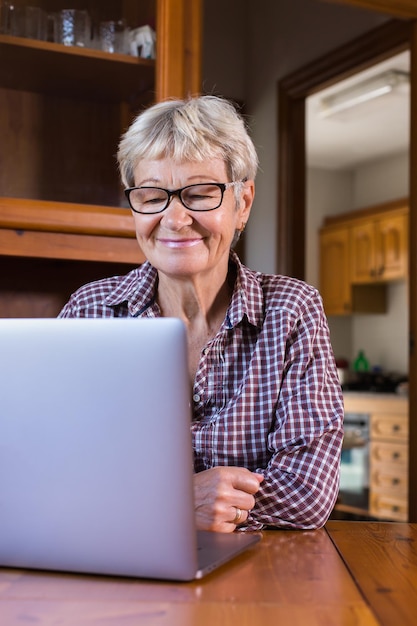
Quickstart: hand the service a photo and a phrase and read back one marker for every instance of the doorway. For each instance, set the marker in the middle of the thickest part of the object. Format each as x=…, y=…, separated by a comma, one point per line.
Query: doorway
x=357, y=157
x=392, y=38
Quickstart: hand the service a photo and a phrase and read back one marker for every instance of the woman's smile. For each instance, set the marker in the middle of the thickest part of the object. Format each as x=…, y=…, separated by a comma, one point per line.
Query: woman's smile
x=186, y=242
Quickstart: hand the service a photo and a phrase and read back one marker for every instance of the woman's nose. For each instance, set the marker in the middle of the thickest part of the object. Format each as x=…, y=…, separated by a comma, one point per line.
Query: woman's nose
x=176, y=214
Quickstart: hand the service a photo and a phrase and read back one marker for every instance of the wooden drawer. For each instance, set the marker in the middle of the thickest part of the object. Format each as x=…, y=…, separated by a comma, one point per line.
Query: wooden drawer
x=392, y=427
x=385, y=453
x=388, y=507
x=389, y=479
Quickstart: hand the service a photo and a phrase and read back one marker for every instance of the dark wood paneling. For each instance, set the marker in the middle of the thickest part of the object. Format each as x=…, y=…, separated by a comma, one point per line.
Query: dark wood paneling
x=41, y=287
x=399, y=8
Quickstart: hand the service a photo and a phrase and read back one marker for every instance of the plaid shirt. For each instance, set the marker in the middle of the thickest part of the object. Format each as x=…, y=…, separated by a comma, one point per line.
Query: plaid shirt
x=266, y=393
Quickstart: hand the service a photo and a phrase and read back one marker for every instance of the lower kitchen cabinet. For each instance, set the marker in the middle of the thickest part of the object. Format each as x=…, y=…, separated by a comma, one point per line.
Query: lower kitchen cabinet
x=389, y=465
x=388, y=416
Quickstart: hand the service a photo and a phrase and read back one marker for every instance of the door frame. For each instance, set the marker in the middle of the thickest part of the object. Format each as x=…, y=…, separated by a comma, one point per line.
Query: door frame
x=359, y=54
x=377, y=45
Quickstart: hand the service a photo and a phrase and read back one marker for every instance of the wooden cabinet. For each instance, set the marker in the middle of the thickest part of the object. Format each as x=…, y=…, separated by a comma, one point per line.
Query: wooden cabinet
x=389, y=465
x=379, y=248
x=335, y=270
x=360, y=252
x=62, y=111
x=388, y=452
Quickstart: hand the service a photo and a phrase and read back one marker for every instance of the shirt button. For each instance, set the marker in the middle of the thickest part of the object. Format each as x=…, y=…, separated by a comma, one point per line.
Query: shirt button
x=196, y=397
x=205, y=351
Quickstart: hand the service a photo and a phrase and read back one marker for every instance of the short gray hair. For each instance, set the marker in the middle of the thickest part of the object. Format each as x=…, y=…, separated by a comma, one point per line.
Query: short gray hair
x=194, y=129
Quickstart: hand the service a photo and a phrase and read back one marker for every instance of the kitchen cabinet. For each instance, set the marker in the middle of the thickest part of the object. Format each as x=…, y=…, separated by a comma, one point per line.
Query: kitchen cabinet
x=62, y=111
x=360, y=252
x=335, y=270
x=379, y=248
x=340, y=296
x=388, y=452
x=389, y=465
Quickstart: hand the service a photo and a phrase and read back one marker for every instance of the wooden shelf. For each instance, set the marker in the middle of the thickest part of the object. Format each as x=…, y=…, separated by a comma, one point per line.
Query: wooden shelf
x=43, y=67
x=59, y=230
x=28, y=214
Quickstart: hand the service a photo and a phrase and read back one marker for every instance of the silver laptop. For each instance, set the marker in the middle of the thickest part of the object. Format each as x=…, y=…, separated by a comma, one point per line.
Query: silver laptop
x=96, y=468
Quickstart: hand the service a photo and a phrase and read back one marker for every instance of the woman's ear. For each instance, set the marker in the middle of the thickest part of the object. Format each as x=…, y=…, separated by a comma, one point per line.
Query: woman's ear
x=246, y=199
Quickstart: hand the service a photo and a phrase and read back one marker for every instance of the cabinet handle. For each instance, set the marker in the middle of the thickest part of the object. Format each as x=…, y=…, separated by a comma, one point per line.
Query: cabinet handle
x=396, y=455
x=381, y=270
x=395, y=481
x=396, y=428
x=395, y=508
x=372, y=272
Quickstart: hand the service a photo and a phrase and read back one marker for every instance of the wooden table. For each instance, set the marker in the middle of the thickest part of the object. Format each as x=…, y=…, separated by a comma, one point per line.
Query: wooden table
x=382, y=559
x=349, y=574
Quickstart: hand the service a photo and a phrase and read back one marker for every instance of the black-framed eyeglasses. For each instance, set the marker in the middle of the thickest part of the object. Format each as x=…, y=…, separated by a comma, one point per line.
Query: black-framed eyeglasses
x=199, y=197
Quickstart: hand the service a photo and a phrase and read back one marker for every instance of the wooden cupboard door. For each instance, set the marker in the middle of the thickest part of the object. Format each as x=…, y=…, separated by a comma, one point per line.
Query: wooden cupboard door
x=392, y=246
x=379, y=249
x=334, y=271
x=388, y=507
x=363, y=253
x=384, y=454
x=389, y=427
x=389, y=479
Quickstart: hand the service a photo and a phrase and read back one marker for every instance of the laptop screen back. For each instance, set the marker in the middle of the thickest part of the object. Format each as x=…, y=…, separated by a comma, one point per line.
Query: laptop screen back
x=95, y=449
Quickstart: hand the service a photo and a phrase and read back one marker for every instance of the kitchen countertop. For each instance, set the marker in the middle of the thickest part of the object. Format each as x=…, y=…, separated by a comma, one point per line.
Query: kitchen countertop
x=373, y=402
x=372, y=394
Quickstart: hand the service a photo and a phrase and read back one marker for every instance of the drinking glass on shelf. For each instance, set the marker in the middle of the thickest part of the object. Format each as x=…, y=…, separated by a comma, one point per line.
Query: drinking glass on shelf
x=113, y=36
x=74, y=28
x=27, y=21
x=52, y=30
x=6, y=11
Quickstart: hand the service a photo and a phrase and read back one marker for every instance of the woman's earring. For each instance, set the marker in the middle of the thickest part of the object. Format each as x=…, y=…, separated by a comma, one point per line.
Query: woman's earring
x=238, y=233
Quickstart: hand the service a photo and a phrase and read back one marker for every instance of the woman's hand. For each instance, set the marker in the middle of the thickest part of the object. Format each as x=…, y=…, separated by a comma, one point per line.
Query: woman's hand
x=220, y=493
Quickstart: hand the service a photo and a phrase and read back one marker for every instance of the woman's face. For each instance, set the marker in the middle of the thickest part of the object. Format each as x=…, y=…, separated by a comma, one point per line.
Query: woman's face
x=180, y=242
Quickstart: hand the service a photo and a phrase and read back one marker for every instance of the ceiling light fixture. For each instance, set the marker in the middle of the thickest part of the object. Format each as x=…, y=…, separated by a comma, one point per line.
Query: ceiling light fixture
x=366, y=90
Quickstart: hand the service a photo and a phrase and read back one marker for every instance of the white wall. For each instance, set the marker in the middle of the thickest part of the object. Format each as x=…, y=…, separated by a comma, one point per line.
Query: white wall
x=383, y=337
x=381, y=181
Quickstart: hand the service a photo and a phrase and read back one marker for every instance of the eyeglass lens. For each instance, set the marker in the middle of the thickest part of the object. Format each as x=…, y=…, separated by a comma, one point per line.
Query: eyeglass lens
x=201, y=197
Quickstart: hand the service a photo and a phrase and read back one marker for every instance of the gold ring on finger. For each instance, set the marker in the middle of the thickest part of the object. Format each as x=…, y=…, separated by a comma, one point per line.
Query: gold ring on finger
x=238, y=516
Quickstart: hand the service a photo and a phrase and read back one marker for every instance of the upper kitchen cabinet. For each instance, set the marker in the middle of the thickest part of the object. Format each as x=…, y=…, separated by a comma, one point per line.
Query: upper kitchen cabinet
x=334, y=270
x=360, y=252
x=63, y=109
x=380, y=247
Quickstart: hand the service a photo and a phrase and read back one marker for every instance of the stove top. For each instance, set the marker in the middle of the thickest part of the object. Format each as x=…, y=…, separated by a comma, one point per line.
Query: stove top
x=375, y=382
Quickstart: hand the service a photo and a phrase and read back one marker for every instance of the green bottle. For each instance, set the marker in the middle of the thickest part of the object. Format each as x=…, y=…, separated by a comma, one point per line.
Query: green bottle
x=361, y=362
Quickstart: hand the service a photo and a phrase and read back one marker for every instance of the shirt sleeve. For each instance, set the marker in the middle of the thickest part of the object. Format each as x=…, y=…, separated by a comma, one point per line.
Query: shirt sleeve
x=301, y=480
x=69, y=310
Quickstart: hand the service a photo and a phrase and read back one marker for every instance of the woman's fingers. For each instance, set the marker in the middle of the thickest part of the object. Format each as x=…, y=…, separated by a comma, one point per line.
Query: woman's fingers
x=224, y=496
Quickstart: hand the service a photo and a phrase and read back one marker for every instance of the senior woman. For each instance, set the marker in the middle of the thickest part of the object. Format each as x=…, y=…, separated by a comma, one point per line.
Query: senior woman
x=267, y=405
